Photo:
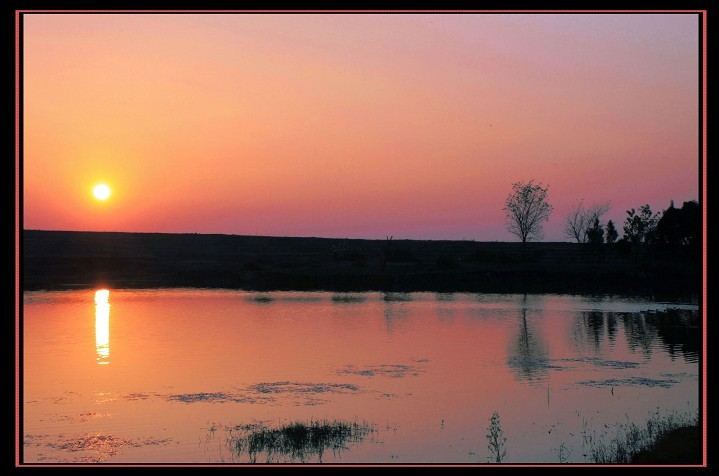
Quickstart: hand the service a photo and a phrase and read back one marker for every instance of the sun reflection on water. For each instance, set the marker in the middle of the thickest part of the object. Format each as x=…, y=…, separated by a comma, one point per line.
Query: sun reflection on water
x=102, y=326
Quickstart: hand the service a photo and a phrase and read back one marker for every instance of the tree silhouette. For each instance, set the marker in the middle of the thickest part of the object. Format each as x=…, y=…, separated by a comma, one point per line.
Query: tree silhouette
x=575, y=225
x=595, y=233
x=579, y=220
x=640, y=227
x=680, y=227
x=526, y=209
x=612, y=234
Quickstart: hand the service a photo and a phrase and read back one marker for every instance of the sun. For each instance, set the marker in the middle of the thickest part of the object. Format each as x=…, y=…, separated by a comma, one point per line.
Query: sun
x=101, y=191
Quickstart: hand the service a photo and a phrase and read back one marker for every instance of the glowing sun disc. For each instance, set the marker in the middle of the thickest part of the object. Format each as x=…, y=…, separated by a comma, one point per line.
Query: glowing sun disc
x=101, y=191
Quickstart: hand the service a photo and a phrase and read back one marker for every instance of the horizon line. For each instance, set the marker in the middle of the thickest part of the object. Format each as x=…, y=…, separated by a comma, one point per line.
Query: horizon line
x=388, y=237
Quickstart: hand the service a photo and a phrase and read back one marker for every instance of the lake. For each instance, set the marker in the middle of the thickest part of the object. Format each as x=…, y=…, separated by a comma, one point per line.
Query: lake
x=221, y=376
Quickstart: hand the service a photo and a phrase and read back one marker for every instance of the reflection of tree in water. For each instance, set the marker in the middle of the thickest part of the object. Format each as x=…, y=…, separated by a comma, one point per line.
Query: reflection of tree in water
x=396, y=297
x=594, y=323
x=679, y=330
x=611, y=326
x=447, y=311
x=449, y=297
x=298, y=441
x=528, y=354
x=589, y=328
x=640, y=334
x=395, y=307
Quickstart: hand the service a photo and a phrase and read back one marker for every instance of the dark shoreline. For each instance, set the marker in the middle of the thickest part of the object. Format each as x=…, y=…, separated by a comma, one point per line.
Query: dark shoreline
x=57, y=260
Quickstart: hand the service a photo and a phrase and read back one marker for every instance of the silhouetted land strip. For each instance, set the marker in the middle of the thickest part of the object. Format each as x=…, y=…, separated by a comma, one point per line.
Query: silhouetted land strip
x=54, y=260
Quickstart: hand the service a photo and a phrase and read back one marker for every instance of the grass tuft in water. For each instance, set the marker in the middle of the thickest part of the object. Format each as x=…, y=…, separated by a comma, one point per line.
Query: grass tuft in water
x=297, y=440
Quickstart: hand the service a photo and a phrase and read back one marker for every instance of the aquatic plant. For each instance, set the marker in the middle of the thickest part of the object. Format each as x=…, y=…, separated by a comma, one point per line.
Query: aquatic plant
x=496, y=438
x=297, y=440
x=564, y=453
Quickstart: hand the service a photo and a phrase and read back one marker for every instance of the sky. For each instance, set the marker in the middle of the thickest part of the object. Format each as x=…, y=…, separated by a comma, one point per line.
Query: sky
x=353, y=125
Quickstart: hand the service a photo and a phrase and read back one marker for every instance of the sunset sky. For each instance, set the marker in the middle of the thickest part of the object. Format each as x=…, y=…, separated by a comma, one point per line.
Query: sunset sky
x=353, y=125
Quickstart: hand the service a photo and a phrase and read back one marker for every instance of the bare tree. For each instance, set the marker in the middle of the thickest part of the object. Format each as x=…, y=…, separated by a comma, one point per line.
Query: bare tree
x=575, y=223
x=578, y=220
x=526, y=208
x=597, y=211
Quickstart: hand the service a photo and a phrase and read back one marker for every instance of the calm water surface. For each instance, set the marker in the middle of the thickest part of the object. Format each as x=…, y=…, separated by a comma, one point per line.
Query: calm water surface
x=183, y=376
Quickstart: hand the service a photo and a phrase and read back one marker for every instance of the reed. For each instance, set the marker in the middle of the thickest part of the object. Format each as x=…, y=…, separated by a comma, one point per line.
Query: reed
x=297, y=440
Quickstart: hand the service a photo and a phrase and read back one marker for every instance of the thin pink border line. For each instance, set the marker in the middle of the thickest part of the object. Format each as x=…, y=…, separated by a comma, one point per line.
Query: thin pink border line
x=358, y=465
x=704, y=236
x=17, y=193
x=362, y=11
x=17, y=238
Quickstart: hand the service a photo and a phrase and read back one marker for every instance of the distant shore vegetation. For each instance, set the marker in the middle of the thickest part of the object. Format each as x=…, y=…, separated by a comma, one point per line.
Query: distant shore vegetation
x=659, y=253
x=672, y=231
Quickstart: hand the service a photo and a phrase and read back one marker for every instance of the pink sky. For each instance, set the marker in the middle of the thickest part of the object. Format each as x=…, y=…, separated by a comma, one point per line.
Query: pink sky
x=353, y=125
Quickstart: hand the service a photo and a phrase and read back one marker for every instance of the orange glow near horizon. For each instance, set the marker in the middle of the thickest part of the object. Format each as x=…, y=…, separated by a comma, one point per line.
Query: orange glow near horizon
x=359, y=126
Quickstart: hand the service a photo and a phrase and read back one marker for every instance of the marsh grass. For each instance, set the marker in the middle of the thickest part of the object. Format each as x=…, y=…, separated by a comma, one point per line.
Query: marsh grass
x=672, y=438
x=297, y=441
